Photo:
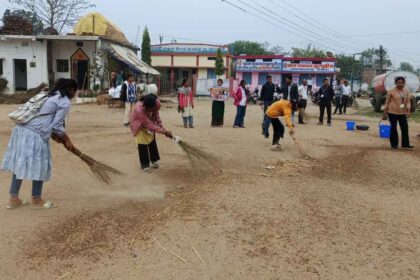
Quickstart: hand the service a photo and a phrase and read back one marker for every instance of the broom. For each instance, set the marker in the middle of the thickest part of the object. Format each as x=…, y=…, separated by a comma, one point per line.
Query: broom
x=102, y=171
x=193, y=153
x=300, y=149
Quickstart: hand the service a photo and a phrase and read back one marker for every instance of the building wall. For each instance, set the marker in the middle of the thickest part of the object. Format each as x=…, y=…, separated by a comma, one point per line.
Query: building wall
x=65, y=49
x=185, y=61
x=161, y=61
x=36, y=52
x=202, y=73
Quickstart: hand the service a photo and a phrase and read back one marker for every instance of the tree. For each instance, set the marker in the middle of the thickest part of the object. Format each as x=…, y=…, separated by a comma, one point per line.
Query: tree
x=32, y=18
x=406, y=66
x=248, y=48
x=348, y=65
x=219, y=63
x=146, y=54
x=98, y=69
x=308, y=52
x=371, y=58
x=57, y=14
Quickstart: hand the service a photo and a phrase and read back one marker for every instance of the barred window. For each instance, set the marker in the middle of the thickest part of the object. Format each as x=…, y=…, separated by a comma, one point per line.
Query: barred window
x=62, y=65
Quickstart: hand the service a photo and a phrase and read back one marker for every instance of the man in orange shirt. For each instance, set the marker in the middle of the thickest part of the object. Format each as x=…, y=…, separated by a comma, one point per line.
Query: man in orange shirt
x=276, y=110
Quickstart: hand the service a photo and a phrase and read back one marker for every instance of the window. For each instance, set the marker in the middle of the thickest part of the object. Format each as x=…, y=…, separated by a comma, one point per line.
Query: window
x=267, y=59
x=211, y=58
x=250, y=60
x=211, y=74
x=247, y=77
x=1, y=66
x=79, y=44
x=262, y=78
x=320, y=80
x=62, y=65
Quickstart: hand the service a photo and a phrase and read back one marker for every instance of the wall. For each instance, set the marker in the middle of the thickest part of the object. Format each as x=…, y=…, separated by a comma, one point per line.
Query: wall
x=161, y=61
x=36, y=52
x=185, y=61
x=65, y=49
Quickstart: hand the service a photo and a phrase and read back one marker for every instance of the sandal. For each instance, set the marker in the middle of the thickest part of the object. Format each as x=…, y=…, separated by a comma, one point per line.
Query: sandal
x=41, y=204
x=13, y=204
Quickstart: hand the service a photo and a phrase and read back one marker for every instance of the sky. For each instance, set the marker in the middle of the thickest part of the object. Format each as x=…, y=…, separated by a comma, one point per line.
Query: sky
x=336, y=25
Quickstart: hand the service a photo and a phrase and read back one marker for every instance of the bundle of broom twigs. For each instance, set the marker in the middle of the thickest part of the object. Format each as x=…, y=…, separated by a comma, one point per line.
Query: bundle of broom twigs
x=194, y=154
x=102, y=171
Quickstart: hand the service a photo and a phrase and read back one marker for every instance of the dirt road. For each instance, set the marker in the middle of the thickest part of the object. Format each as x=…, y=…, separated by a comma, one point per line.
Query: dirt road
x=351, y=212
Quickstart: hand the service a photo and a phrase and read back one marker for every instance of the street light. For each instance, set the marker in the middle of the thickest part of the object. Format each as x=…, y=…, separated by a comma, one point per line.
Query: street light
x=352, y=69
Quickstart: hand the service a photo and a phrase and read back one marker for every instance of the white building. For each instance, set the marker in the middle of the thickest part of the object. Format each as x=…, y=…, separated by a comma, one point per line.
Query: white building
x=28, y=61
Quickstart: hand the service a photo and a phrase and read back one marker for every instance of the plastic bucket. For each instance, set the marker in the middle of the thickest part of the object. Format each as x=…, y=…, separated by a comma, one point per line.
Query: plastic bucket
x=384, y=130
x=350, y=125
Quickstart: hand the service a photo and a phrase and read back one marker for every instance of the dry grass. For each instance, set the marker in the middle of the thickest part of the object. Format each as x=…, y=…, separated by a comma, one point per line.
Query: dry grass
x=21, y=97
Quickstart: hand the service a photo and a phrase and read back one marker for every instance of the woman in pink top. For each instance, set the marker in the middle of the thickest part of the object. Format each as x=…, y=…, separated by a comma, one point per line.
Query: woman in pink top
x=240, y=101
x=145, y=122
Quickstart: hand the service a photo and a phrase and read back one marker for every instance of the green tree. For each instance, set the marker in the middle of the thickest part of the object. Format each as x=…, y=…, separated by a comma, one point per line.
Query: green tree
x=371, y=58
x=32, y=18
x=248, y=48
x=406, y=66
x=219, y=63
x=308, y=52
x=146, y=54
x=347, y=65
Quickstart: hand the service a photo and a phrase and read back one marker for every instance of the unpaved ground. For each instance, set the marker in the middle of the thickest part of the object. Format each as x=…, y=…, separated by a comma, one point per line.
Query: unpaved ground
x=351, y=212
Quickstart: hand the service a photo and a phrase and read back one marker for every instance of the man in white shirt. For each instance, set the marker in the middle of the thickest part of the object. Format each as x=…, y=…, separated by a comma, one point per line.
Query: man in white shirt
x=303, y=100
x=346, y=95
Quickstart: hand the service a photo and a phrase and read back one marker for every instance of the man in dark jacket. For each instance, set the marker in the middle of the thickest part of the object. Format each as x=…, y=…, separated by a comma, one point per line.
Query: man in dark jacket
x=325, y=95
x=267, y=97
x=291, y=93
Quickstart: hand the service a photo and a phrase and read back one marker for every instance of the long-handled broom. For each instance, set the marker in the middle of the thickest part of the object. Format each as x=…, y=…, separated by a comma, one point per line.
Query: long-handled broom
x=102, y=171
x=193, y=153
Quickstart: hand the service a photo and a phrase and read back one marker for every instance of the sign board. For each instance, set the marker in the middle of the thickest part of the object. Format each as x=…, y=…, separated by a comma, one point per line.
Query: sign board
x=309, y=66
x=221, y=94
x=196, y=49
x=259, y=65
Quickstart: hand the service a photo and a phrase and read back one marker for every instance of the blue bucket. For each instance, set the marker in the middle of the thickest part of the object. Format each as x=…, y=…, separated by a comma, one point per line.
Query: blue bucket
x=384, y=130
x=350, y=125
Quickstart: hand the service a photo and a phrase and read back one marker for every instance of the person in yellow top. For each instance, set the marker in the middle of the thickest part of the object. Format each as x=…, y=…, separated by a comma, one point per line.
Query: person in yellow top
x=276, y=110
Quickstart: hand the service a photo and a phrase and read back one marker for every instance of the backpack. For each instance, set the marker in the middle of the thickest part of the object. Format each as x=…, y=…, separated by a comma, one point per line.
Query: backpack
x=27, y=112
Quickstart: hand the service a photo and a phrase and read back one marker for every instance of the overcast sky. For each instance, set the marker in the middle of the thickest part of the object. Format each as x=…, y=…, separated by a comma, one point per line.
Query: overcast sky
x=322, y=23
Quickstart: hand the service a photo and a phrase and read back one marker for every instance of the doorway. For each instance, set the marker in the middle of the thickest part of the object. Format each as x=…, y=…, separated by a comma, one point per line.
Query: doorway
x=80, y=68
x=21, y=75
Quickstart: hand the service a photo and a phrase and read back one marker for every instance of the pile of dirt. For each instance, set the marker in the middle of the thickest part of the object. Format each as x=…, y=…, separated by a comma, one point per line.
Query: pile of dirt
x=16, y=25
x=22, y=96
x=92, y=235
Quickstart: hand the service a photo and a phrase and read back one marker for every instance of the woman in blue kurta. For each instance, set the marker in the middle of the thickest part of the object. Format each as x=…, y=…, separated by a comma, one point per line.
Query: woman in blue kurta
x=28, y=155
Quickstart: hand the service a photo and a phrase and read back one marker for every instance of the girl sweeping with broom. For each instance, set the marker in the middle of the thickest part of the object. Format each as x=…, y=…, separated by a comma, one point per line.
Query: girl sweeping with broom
x=145, y=122
x=28, y=155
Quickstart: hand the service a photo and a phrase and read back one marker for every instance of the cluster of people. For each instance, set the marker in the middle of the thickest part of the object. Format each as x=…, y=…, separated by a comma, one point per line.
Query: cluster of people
x=28, y=155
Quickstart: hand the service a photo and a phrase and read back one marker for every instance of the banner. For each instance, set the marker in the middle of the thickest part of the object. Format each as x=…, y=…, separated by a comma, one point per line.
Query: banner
x=309, y=66
x=259, y=65
x=221, y=94
x=179, y=48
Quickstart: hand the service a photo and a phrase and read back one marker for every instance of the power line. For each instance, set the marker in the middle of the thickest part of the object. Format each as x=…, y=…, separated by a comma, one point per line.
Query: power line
x=277, y=25
x=292, y=24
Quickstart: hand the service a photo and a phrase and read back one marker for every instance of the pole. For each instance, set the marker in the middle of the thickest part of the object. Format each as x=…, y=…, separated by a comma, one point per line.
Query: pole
x=352, y=71
x=381, y=59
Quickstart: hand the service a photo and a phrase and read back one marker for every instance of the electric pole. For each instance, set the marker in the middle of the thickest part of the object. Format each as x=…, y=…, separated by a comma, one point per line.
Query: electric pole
x=381, y=60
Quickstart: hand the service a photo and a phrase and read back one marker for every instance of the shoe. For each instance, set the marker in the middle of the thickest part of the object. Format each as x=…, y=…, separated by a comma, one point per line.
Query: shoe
x=335, y=113
x=267, y=135
x=126, y=124
x=277, y=147
x=155, y=165
x=394, y=147
x=302, y=122
x=328, y=124
x=409, y=147
x=147, y=170
x=185, y=126
x=235, y=126
x=191, y=126
x=16, y=203
x=242, y=127
x=320, y=123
